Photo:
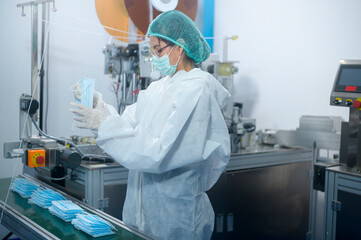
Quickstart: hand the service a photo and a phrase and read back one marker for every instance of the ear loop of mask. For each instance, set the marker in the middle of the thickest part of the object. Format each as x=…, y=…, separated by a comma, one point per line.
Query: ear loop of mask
x=179, y=57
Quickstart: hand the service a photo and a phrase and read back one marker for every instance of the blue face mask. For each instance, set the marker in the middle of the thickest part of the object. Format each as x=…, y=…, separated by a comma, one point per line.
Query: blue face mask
x=44, y=198
x=163, y=64
x=93, y=225
x=24, y=187
x=87, y=91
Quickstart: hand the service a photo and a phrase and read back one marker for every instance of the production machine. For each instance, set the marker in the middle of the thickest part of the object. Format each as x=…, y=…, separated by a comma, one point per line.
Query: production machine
x=342, y=210
x=77, y=165
x=241, y=129
x=74, y=167
x=90, y=177
x=130, y=68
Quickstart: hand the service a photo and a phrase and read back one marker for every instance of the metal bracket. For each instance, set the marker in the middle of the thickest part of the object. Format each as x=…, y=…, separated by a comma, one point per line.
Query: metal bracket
x=36, y=2
x=219, y=222
x=103, y=203
x=336, y=206
x=230, y=222
x=8, y=150
x=310, y=173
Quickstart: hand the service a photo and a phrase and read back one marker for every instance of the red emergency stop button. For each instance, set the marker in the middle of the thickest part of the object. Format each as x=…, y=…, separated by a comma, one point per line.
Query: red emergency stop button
x=40, y=160
x=357, y=104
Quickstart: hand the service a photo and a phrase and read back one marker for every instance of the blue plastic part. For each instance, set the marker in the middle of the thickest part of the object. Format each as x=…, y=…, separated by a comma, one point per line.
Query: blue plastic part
x=208, y=21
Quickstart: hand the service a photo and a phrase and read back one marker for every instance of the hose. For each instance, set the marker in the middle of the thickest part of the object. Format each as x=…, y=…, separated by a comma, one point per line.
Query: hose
x=66, y=142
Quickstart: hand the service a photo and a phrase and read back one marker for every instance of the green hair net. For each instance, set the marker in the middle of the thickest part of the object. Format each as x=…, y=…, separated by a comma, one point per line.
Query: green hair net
x=178, y=28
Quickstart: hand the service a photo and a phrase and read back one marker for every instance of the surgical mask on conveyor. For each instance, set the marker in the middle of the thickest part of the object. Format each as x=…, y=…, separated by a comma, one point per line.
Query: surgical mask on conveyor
x=93, y=225
x=65, y=209
x=24, y=187
x=44, y=198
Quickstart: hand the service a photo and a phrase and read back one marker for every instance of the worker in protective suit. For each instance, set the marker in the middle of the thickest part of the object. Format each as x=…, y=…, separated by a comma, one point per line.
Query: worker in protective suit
x=173, y=140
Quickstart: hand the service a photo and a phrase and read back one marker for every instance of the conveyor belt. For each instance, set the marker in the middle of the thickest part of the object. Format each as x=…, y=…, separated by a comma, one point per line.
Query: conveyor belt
x=29, y=221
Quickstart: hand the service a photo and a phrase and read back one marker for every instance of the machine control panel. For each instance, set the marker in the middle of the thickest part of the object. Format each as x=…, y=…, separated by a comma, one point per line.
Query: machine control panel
x=35, y=158
x=347, y=86
x=346, y=92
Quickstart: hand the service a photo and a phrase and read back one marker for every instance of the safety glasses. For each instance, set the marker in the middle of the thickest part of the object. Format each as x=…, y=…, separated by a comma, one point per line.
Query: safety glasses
x=158, y=52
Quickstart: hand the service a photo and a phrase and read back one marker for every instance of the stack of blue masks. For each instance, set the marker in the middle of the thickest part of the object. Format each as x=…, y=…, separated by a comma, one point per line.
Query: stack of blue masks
x=65, y=209
x=93, y=225
x=24, y=187
x=44, y=198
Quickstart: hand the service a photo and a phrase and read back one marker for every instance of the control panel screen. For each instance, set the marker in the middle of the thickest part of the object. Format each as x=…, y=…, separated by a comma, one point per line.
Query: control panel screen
x=349, y=79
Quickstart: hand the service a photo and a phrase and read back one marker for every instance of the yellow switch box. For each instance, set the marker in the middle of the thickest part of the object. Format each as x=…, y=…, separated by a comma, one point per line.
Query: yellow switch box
x=36, y=158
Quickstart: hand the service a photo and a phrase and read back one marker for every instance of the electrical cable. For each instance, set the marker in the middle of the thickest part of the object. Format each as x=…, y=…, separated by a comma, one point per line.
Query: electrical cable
x=115, y=87
x=66, y=142
x=41, y=71
x=47, y=93
x=122, y=78
x=51, y=178
x=89, y=32
x=116, y=92
x=97, y=24
x=47, y=79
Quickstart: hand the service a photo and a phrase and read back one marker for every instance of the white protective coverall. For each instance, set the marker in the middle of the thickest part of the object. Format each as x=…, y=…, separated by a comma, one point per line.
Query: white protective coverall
x=175, y=143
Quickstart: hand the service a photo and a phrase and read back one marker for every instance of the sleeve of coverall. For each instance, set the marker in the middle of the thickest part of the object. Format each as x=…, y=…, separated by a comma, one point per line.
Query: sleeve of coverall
x=131, y=144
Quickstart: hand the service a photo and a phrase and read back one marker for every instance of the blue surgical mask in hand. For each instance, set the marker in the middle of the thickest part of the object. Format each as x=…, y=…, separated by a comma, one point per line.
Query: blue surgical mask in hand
x=83, y=91
x=93, y=225
x=87, y=91
x=162, y=64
